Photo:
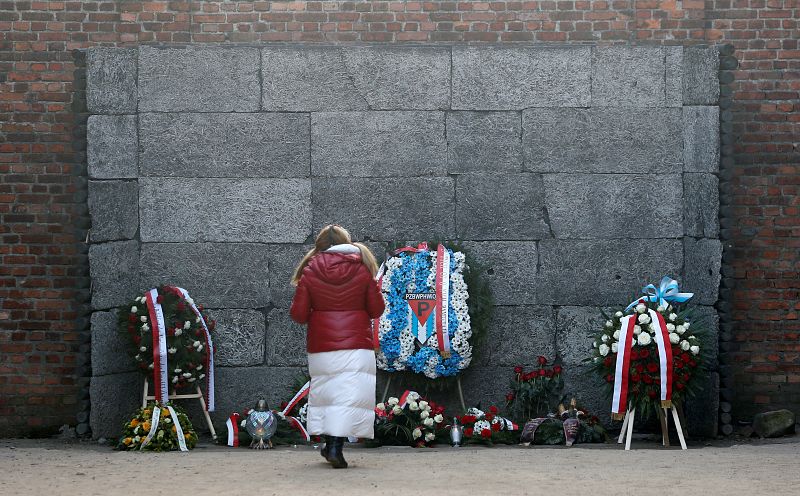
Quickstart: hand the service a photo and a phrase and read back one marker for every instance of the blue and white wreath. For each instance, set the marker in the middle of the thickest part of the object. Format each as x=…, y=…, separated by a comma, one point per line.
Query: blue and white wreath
x=400, y=348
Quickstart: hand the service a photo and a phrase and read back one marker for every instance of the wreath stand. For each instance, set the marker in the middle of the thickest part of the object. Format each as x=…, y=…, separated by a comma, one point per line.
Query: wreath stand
x=626, y=433
x=198, y=395
x=458, y=386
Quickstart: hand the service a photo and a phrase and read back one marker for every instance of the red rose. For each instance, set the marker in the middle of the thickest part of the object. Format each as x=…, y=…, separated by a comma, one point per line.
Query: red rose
x=468, y=432
x=635, y=377
x=685, y=357
x=489, y=417
x=198, y=333
x=680, y=386
x=651, y=394
x=510, y=396
x=652, y=367
x=644, y=353
x=692, y=364
x=678, y=364
x=550, y=373
x=639, y=368
x=542, y=372
x=557, y=369
x=634, y=355
x=132, y=318
x=171, y=331
x=496, y=427
x=528, y=376
x=685, y=377
x=486, y=433
x=160, y=299
x=518, y=369
x=608, y=361
x=542, y=360
x=647, y=379
x=181, y=306
x=610, y=378
x=494, y=409
x=468, y=419
x=137, y=339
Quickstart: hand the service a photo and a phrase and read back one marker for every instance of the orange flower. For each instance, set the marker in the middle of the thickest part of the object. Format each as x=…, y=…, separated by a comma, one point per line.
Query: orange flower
x=134, y=422
x=174, y=429
x=147, y=413
x=127, y=441
x=146, y=426
x=164, y=413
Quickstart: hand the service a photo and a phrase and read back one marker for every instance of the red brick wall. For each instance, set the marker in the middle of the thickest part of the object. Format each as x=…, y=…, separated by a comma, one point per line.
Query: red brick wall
x=43, y=276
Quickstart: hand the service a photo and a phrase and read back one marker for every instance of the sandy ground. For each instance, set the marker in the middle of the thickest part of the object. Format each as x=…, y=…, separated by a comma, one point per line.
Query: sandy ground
x=55, y=468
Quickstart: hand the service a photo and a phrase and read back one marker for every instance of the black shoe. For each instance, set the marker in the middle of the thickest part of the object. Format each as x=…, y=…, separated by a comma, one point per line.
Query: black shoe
x=328, y=443
x=335, y=456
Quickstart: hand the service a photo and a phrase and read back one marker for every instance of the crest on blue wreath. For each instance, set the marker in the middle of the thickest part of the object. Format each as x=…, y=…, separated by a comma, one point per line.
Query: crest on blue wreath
x=426, y=325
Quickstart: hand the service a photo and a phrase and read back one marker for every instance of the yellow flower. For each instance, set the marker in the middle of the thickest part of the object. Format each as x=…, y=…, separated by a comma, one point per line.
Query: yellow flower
x=146, y=426
x=134, y=422
x=174, y=429
x=127, y=441
x=147, y=413
x=164, y=413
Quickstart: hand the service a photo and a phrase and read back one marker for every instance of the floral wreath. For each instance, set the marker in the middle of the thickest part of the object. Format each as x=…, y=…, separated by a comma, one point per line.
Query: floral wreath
x=167, y=429
x=415, y=270
x=187, y=353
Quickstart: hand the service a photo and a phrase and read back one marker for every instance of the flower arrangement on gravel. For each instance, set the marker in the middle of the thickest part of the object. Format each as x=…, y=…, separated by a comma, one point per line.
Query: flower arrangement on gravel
x=158, y=427
x=488, y=427
x=536, y=393
x=651, y=321
x=187, y=348
x=410, y=420
x=428, y=326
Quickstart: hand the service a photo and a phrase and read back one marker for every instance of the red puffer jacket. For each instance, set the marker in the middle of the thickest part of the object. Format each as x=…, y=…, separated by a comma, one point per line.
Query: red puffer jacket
x=337, y=297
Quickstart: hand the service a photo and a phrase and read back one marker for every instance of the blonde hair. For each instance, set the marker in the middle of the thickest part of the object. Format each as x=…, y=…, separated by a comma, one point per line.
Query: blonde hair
x=331, y=235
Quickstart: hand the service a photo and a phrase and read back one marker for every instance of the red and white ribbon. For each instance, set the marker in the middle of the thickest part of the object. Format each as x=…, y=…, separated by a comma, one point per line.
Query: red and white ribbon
x=295, y=422
x=619, y=401
x=664, y=357
x=233, y=429
x=297, y=397
x=209, y=351
x=443, y=300
x=159, y=333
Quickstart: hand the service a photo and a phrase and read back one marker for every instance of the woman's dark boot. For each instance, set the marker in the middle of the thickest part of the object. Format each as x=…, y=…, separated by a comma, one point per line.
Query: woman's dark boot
x=326, y=449
x=335, y=456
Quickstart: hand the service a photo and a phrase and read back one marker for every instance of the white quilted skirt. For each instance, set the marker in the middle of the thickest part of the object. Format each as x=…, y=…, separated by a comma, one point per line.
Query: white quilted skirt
x=341, y=401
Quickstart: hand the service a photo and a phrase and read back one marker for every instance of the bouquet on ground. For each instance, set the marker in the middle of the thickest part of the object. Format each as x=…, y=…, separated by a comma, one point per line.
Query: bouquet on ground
x=569, y=425
x=537, y=392
x=158, y=427
x=487, y=427
x=410, y=420
x=652, y=351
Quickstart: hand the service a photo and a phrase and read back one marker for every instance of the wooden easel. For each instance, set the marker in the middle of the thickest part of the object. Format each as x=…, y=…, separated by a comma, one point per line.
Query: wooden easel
x=198, y=395
x=626, y=433
x=458, y=385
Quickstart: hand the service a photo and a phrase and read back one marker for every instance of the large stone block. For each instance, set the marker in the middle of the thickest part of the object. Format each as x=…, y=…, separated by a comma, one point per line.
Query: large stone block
x=114, y=269
x=111, y=80
x=223, y=275
x=111, y=147
x=225, y=145
x=701, y=139
x=286, y=340
x=521, y=333
x=614, y=205
x=515, y=78
x=486, y=386
x=673, y=84
x=701, y=205
x=199, y=79
x=378, y=144
x=282, y=261
x=702, y=411
x=603, y=140
x=229, y=210
x=501, y=207
x=399, y=208
x=115, y=398
x=702, y=270
x=603, y=272
x=581, y=383
x=109, y=347
x=114, y=207
x=244, y=386
x=700, y=76
x=509, y=267
x=356, y=78
x=574, y=328
x=706, y=317
x=238, y=337
x=484, y=142
x=628, y=76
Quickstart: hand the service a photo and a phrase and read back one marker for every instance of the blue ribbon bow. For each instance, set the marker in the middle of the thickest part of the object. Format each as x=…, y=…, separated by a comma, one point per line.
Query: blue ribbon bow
x=666, y=292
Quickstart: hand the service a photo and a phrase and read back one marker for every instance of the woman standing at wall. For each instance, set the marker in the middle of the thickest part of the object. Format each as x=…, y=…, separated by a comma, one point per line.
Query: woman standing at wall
x=337, y=296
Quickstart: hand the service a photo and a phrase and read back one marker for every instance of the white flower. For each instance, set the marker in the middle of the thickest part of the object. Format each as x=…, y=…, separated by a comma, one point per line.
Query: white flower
x=694, y=349
x=191, y=379
x=685, y=345
x=172, y=351
x=138, y=357
x=609, y=324
x=644, y=318
x=428, y=422
x=187, y=374
x=199, y=367
x=641, y=308
x=151, y=367
x=196, y=344
x=424, y=414
x=430, y=436
x=143, y=318
x=413, y=406
x=438, y=418
x=397, y=410
x=673, y=316
x=614, y=347
x=603, y=349
x=137, y=439
x=416, y=433
x=423, y=405
x=168, y=420
x=197, y=320
x=178, y=332
x=604, y=338
x=202, y=376
x=134, y=309
x=187, y=324
x=618, y=314
x=145, y=327
x=175, y=379
x=178, y=371
x=671, y=327
x=674, y=338
x=681, y=329
x=637, y=330
x=381, y=407
x=686, y=325
x=644, y=339
x=244, y=423
x=413, y=395
x=661, y=309
x=594, y=344
x=200, y=348
x=142, y=348
x=616, y=335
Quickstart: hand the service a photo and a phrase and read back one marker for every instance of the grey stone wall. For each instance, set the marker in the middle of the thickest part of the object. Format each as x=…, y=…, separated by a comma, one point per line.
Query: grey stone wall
x=575, y=174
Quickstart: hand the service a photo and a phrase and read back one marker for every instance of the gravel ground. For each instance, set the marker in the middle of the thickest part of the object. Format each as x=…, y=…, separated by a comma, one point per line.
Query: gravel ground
x=58, y=468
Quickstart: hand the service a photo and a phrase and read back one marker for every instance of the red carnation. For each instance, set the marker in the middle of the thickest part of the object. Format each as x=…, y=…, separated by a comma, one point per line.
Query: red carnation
x=542, y=372
x=486, y=433
x=496, y=427
x=518, y=369
x=489, y=416
x=493, y=409
x=468, y=419
x=644, y=353
x=132, y=317
x=510, y=396
x=558, y=369
x=652, y=367
x=468, y=432
x=542, y=360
